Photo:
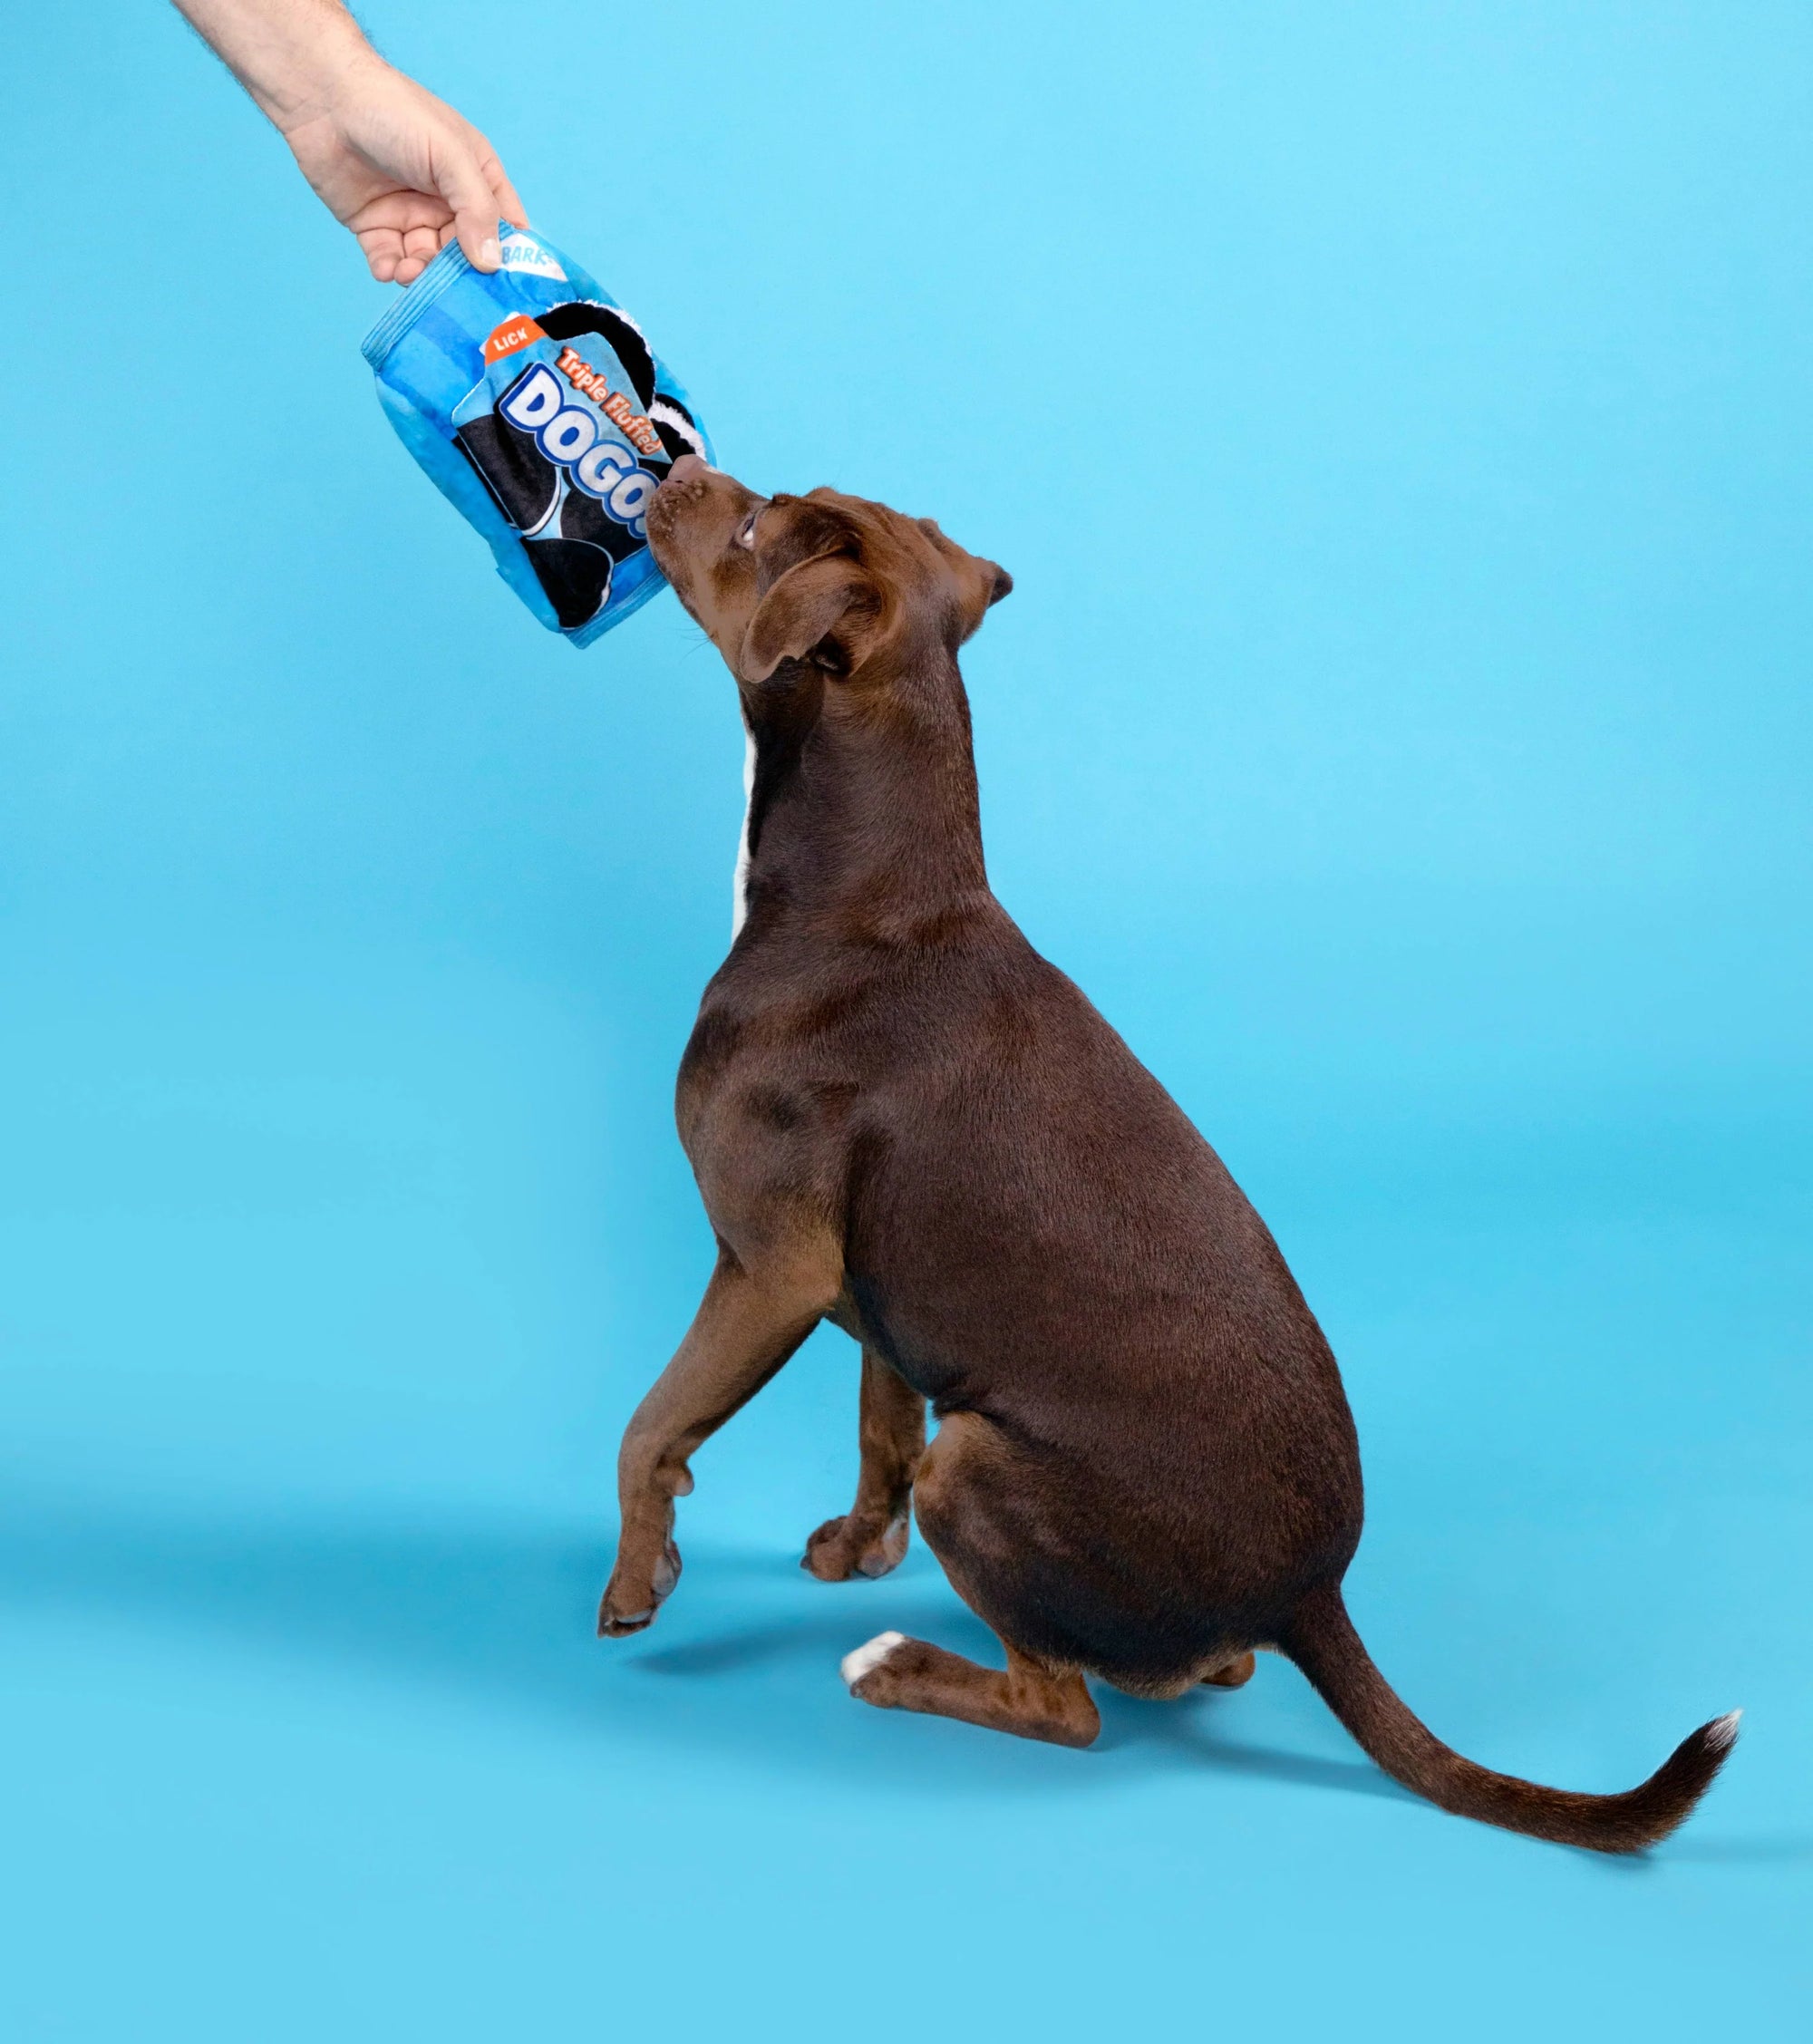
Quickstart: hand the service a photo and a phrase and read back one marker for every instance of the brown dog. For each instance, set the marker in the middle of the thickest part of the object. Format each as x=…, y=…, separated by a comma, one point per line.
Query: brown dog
x=905, y=1121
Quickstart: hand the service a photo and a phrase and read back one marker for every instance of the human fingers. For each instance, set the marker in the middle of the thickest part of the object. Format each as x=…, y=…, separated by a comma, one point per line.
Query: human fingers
x=400, y=232
x=505, y=194
x=468, y=192
x=382, y=247
x=408, y=270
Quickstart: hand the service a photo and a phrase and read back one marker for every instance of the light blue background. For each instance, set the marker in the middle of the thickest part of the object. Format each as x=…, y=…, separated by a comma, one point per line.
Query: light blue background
x=1397, y=422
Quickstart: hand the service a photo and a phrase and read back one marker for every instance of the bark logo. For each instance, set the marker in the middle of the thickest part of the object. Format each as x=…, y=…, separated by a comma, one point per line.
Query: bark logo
x=523, y=252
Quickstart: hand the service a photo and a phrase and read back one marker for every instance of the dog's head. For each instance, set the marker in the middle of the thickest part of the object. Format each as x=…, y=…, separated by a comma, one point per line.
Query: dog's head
x=850, y=588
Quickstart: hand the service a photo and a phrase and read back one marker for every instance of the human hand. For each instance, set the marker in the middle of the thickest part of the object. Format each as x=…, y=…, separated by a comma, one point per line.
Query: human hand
x=401, y=169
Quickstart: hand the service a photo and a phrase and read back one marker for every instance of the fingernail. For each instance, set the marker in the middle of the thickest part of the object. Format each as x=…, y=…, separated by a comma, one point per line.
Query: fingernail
x=489, y=251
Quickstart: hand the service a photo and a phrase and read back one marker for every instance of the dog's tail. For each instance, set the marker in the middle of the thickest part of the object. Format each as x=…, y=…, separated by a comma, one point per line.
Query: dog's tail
x=1322, y=1642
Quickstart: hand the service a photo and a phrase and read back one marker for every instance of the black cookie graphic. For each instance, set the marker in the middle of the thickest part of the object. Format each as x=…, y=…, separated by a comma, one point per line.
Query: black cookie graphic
x=622, y=335
x=524, y=481
x=584, y=518
x=576, y=575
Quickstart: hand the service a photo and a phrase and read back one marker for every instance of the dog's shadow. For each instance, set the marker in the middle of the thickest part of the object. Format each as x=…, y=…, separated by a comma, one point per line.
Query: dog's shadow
x=501, y=1612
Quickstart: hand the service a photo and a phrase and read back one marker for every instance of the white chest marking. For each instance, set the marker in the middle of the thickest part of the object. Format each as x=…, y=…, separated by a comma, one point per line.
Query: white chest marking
x=739, y=880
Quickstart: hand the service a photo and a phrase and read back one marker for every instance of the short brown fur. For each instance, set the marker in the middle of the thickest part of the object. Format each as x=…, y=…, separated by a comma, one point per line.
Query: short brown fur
x=903, y=1119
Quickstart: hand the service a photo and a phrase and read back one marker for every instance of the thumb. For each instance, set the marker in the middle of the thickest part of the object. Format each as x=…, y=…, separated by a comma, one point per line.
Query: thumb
x=464, y=185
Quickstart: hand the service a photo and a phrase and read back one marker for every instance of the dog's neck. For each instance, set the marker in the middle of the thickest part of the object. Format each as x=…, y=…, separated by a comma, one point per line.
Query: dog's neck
x=871, y=820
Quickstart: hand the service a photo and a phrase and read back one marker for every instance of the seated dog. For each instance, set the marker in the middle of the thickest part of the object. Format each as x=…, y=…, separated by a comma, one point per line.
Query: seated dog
x=903, y=1120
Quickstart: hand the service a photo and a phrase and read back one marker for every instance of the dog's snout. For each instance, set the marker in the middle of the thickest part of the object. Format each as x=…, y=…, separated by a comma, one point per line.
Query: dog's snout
x=687, y=468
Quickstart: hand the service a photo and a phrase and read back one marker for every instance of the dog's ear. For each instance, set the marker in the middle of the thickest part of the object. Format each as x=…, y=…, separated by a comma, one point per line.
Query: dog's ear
x=980, y=583
x=987, y=584
x=828, y=610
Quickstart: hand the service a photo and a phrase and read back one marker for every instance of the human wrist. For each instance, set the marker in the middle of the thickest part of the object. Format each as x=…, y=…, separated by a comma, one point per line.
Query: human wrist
x=330, y=71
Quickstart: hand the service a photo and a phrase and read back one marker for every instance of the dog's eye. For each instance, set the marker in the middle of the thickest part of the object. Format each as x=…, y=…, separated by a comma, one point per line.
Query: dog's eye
x=746, y=533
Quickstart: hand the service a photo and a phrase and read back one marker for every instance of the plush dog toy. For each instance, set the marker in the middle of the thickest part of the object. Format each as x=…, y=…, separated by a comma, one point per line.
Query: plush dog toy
x=536, y=406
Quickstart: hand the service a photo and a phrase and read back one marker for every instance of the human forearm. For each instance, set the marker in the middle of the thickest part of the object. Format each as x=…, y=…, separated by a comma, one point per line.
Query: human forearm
x=290, y=56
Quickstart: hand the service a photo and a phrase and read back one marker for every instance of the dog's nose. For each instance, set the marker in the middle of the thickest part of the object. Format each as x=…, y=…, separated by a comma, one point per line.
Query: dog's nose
x=686, y=468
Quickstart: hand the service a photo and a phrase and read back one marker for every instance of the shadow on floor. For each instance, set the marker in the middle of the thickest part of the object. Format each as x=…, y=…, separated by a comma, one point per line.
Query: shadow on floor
x=742, y=1663
x=743, y=1660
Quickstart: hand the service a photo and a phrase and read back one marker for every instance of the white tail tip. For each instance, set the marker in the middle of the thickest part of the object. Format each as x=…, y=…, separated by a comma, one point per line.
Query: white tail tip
x=1722, y=1732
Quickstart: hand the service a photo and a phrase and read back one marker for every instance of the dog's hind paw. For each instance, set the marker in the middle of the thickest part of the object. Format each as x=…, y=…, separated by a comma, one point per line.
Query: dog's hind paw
x=869, y=1656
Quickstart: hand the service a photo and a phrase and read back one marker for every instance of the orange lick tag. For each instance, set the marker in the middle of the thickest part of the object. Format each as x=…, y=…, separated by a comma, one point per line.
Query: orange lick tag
x=511, y=336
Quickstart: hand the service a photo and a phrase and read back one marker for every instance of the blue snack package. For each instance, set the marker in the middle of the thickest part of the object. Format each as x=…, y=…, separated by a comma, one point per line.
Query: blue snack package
x=539, y=410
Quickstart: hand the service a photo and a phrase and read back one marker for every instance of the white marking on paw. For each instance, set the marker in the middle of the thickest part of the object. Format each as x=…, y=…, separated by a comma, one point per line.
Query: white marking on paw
x=854, y=1666
x=1721, y=1734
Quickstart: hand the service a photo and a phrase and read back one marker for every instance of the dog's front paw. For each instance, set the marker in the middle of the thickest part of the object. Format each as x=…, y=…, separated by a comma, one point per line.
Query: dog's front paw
x=855, y=1546
x=632, y=1598
x=612, y=1625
